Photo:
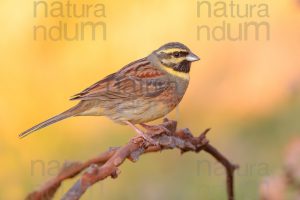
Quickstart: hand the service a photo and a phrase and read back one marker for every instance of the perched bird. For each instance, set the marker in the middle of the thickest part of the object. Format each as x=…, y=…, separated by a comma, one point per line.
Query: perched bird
x=142, y=91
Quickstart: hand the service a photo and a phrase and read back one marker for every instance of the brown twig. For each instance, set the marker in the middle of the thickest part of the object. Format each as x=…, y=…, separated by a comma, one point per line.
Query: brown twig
x=107, y=163
x=230, y=168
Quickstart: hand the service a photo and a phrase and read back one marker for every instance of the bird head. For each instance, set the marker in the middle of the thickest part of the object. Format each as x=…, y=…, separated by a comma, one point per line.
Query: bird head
x=175, y=56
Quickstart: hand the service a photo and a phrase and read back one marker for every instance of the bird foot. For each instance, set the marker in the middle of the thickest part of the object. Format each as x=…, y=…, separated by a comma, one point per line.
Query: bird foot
x=156, y=129
x=146, y=138
x=141, y=134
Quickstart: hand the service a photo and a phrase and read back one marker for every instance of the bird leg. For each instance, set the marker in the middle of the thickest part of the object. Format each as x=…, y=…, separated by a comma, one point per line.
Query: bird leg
x=157, y=129
x=142, y=134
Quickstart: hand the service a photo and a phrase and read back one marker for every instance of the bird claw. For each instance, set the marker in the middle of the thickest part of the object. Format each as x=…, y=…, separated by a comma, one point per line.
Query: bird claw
x=156, y=129
x=145, y=137
x=141, y=134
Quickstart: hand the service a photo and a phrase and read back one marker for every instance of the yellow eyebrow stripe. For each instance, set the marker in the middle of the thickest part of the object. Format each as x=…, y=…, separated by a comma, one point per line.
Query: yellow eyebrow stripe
x=171, y=50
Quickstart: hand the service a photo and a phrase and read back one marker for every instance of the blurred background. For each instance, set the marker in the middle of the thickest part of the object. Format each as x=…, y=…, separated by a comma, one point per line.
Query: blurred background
x=247, y=91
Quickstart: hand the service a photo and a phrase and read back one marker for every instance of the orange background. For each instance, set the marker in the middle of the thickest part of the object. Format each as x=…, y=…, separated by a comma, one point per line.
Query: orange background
x=247, y=91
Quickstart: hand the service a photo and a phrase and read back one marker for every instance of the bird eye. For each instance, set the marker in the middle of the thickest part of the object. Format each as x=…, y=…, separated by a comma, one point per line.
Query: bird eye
x=176, y=54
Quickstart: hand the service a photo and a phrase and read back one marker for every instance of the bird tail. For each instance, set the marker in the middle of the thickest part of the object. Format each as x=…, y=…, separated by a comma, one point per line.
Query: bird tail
x=68, y=113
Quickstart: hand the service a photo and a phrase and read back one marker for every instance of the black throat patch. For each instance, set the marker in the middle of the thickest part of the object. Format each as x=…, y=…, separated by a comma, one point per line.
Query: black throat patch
x=184, y=66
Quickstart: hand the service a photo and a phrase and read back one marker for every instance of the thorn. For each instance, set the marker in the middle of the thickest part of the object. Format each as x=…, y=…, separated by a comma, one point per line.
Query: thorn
x=203, y=135
x=115, y=174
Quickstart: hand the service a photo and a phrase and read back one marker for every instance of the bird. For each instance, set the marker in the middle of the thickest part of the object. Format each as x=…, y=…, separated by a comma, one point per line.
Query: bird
x=140, y=92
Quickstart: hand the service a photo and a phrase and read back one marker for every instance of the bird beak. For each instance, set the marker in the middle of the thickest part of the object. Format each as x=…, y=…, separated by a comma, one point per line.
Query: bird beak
x=192, y=57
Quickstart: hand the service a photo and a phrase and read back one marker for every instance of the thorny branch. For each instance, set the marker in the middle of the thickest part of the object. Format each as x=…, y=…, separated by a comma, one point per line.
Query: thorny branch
x=107, y=163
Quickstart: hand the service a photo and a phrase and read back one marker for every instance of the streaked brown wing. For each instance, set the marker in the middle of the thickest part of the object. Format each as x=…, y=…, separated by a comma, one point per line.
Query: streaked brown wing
x=137, y=79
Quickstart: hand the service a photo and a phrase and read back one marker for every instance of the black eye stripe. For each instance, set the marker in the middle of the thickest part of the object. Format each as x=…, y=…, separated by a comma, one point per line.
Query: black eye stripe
x=165, y=55
x=169, y=55
x=179, y=53
x=184, y=53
